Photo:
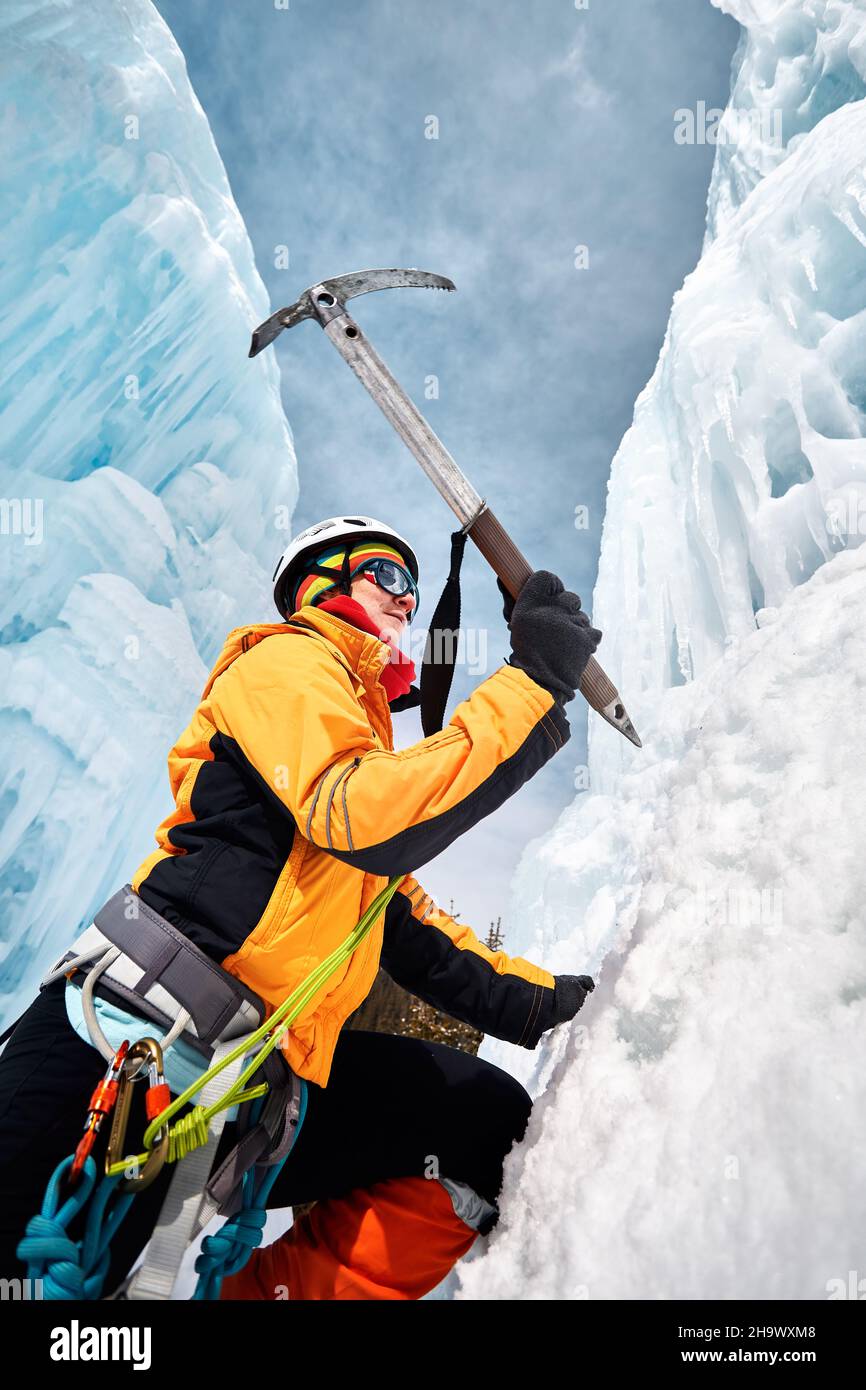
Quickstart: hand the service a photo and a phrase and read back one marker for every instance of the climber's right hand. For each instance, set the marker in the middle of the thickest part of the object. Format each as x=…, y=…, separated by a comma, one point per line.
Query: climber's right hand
x=551, y=636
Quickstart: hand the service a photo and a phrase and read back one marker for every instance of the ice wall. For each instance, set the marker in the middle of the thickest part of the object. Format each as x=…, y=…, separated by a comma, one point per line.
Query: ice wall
x=798, y=61
x=146, y=464
x=700, y=1123
x=745, y=468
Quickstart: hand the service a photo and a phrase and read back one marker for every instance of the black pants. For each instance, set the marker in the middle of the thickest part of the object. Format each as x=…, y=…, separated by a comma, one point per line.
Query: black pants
x=390, y=1106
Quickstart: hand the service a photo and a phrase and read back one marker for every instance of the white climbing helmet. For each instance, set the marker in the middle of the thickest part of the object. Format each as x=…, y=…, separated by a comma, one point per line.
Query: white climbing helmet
x=325, y=534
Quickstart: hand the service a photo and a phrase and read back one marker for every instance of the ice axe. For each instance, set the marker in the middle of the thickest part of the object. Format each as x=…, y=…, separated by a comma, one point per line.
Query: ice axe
x=326, y=302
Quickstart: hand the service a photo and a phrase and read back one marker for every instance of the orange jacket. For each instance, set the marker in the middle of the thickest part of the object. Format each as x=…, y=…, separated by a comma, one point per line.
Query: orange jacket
x=293, y=810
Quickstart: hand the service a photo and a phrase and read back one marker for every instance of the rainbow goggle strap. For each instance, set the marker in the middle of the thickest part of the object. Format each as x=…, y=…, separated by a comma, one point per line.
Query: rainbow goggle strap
x=336, y=567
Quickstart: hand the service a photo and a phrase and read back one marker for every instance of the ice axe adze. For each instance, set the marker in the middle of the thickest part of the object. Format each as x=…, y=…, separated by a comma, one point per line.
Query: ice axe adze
x=326, y=302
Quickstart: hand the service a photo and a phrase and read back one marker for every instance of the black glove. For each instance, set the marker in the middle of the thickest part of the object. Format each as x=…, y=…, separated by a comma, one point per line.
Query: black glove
x=508, y=601
x=561, y=1004
x=551, y=636
x=569, y=994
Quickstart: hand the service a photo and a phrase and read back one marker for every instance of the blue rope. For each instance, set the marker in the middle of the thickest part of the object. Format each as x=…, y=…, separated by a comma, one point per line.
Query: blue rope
x=73, y=1269
x=228, y=1250
x=77, y=1269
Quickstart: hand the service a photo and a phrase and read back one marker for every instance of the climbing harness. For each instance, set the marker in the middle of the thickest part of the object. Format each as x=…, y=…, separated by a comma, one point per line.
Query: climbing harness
x=155, y=969
x=136, y=958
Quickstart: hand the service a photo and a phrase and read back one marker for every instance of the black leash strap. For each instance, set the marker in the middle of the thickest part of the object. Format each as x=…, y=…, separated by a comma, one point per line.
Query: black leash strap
x=440, y=651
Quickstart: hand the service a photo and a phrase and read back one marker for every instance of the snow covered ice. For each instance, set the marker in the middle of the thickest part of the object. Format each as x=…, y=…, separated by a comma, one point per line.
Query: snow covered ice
x=701, y=1131
x=701, y=1128
x=145, y=463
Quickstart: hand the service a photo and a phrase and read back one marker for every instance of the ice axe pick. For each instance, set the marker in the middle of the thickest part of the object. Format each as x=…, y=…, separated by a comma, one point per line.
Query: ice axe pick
x=326, y=303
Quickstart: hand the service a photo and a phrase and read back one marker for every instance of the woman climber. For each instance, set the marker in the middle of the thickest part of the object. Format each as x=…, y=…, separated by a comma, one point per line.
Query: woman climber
x=292, y=811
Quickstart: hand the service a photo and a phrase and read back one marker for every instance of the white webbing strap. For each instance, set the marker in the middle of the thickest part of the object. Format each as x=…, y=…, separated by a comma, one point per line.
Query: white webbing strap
x=178, y=1223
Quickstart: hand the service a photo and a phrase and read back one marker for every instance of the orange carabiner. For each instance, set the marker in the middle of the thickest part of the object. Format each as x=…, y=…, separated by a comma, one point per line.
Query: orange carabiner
x=101, y=1104
x=145, y=1055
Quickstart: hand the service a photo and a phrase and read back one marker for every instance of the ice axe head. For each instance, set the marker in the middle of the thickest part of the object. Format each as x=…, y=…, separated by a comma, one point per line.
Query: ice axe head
x=326, y=299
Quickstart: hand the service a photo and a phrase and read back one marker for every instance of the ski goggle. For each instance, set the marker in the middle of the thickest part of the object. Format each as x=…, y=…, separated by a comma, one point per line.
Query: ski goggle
x=391, y=577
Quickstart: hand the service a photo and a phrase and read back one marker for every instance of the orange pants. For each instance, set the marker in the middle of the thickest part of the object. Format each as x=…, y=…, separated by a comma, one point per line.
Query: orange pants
x=395, y=1240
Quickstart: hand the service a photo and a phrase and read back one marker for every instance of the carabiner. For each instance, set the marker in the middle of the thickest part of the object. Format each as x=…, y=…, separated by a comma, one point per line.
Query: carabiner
x=101, y=1104
x=145, y=1055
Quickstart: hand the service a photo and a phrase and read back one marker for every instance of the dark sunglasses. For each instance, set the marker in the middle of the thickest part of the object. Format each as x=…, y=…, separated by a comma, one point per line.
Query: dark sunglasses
x=391, y=577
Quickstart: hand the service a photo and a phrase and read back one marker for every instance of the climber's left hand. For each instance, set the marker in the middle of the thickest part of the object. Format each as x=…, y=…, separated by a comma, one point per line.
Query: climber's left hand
x=569, y=995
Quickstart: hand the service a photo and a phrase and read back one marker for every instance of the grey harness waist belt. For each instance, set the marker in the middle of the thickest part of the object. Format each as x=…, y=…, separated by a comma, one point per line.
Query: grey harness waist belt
x=160, y=972
x=133, y=955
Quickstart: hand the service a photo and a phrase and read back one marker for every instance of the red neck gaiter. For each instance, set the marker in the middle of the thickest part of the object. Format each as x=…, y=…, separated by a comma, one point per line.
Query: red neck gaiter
x=399, y=674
